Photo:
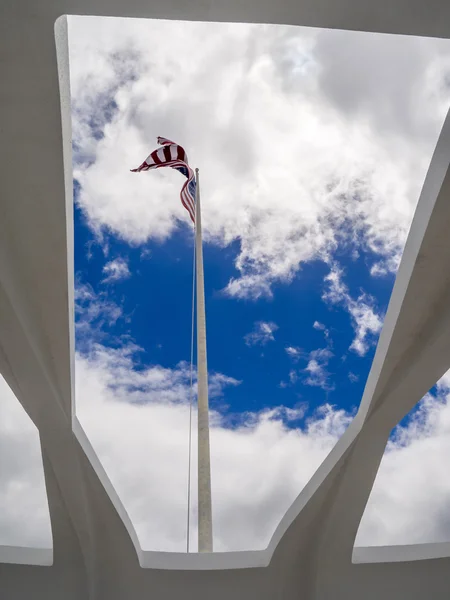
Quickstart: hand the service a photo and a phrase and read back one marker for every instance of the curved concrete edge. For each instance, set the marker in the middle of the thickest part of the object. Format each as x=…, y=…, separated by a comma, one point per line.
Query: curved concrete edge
x=19, y=555
x=406, y=553
x=319, y=478
x=149, y=559
x=101, y=474
x=221, y=560
x=246, y=559
x=62, y=59
x=429, y=194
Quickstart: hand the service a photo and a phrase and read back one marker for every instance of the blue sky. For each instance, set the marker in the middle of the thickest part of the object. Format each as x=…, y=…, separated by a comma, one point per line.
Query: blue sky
x=312, y=147
x=156, y=300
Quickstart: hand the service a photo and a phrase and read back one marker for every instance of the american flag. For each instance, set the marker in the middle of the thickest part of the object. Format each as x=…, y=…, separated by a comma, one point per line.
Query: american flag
x=173, y=155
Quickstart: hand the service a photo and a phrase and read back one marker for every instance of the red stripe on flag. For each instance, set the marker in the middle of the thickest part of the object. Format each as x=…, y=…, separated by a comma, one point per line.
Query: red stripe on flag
x=181, y=154
x=156, y=158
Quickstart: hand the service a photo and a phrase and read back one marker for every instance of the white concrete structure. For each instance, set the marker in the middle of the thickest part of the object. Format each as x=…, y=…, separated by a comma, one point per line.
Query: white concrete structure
x=96, y=553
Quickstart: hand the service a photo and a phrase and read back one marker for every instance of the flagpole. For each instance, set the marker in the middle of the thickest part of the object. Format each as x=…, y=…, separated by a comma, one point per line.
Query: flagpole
x=205, y=542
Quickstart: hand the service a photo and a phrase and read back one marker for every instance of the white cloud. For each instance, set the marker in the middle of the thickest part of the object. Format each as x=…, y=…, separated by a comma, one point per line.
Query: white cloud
x=296, y=151
x=317, y=368
x=146, y=385
x=147, y=418
x=293, y=352
x=146, y=411
x=410, y=499
x=24, y=517
x=353, y=377
x=116, y=270
x=380, y=269
x=443, y=385
x=249, y=286
x=317, y=362
x=321, y=327
x=336, y=291
x=316, y=371
x=262, y=459
x=94, y=314
x=261, y=334
x=365, y=321
x=293, y=376
x=317, y=374
x=218, y=382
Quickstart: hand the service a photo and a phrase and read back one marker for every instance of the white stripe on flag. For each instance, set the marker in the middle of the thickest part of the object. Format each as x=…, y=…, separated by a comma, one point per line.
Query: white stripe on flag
x=160, y=154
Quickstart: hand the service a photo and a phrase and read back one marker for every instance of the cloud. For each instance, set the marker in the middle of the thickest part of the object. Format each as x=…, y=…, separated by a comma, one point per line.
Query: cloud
x=116, y=270
x=24, y=516
x=388, y=265
x=293, y=352
x=317, y=362
x=261, y=334
x=353, y=377
x=147, y=416
x=218, y=382
x=249, y=286
x=396, y=103
x=147, y=412
x=365, y=321
x=316, y=368
x=95, y=315
x=94, y=308
x=267, y=457
x=136, y=384
x=321, y=327
x=293, y=377
x=297, y=153
x=245, y=458
x=119, y=358
x=409, y=501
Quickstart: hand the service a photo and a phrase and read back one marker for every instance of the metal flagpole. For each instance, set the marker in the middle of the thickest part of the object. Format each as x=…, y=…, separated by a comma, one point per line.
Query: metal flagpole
x=205, y=542
x=188, y=520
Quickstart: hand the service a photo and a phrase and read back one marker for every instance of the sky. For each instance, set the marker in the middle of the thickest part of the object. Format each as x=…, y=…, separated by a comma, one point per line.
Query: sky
x=312, y=147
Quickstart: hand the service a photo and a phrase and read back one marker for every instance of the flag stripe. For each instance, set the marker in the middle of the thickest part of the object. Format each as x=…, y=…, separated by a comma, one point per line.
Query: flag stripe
x=161, y=155
x=163, y=141
x=167, y=154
